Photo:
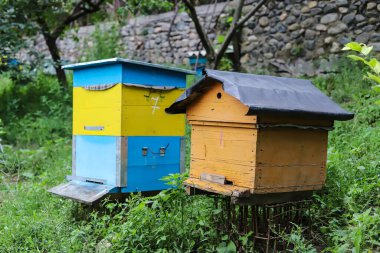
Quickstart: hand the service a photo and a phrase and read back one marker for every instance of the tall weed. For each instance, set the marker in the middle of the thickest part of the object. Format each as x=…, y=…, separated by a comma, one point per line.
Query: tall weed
x=105, y=42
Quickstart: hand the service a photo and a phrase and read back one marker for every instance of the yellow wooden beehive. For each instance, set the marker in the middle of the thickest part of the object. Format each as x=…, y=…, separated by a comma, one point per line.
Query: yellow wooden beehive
x=255, y=135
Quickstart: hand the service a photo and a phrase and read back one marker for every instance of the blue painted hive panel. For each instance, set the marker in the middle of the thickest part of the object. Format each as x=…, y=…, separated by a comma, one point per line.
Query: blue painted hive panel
x=147, y=160
x=145, y=171
x=95, y=158
x=122, y=72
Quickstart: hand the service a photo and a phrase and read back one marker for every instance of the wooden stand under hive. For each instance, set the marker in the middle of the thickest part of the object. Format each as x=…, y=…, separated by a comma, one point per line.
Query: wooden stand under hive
x=123, y=141
x=260, y=140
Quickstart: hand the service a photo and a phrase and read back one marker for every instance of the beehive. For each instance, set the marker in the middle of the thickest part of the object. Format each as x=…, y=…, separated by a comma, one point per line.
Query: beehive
x=123, y=141
x=257, y=135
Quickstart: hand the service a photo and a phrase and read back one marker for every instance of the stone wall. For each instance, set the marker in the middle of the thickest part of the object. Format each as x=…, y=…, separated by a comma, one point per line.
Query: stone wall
x=287, y=36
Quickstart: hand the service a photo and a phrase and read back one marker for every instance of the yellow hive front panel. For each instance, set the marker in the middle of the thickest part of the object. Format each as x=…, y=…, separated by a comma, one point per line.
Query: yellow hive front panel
x=144, y=114
x=93, y=110
x=126, y=111
x=140, y=121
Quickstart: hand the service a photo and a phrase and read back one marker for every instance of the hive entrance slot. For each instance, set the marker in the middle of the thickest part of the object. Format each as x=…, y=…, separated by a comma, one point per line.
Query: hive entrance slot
x=93, y=181
x=228, y=182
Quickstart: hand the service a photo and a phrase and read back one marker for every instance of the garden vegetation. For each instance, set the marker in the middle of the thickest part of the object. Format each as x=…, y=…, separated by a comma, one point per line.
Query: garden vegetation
x=35, y=154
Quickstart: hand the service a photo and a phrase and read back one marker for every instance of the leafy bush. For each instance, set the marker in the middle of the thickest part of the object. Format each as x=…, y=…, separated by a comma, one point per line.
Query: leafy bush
x=345, y=214
x=372, y=63
x=353, y=179
x=41, y=110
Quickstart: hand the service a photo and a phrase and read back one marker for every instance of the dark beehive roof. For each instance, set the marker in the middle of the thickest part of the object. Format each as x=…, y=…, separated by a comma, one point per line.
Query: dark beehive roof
x=267, y=95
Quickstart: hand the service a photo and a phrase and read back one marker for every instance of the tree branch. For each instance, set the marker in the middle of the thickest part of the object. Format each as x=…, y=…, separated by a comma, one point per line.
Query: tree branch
x=234, y=26
x=201, y=33
x=251, y=13
x=79, y=11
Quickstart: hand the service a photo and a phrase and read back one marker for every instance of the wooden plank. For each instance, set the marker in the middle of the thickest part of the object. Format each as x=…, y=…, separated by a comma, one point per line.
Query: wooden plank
x=222, y=108
x=290, y=159
x=291, y=146
x=227, y=190
x=288, y=189
x=222, y=124
x=225, y=151
x=84, y=192
x=213, y=178
x=272, y=198
x=238, y=175
x=224, y=144
x=280, y=119
x=283, y=178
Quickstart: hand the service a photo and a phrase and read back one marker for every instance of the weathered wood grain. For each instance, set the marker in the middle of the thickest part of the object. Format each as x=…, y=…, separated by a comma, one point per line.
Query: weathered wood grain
x=283, y=119
x=224, y=109
x=290, y=159
x=226, y=151
x=213, y=178
x=227, y=190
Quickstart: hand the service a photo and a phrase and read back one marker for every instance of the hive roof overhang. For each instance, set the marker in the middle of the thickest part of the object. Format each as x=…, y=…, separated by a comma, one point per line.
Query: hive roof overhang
x=125, y=61
x=266, y=95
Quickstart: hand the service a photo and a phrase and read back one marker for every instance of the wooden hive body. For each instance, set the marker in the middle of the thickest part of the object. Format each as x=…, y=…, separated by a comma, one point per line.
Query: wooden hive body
x=236, y=154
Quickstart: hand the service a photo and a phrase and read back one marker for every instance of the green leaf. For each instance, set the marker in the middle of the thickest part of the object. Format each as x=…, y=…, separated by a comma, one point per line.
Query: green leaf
x=231, y=248
x=366, y=50
x=225, y=238
x=357, y=58
x=375, y=65
x=376, y=88
x=373, y=77
x=353, y=46
x=221, y=38
x=376, y=68
x=229, y=20
x=372, y=62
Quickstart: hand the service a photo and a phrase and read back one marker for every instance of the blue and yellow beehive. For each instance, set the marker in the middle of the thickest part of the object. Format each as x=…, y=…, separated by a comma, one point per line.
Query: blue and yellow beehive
x=123, y=141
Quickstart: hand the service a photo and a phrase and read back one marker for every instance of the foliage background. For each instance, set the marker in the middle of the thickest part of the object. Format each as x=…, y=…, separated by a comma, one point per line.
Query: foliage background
x=35, y=154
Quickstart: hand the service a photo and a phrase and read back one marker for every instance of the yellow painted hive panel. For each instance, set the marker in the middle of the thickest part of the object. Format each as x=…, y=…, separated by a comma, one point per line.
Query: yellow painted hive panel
x=218, y=106
x=144, y=112
x=126, y=111
x=97, y=112
x=224, y=151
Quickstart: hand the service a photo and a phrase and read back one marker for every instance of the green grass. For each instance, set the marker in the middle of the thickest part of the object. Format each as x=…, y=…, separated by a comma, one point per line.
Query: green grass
x=346, y=213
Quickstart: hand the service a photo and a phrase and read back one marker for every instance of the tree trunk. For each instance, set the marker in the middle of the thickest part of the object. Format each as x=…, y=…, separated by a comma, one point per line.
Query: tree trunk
x=54, y=52
x=237, y=51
